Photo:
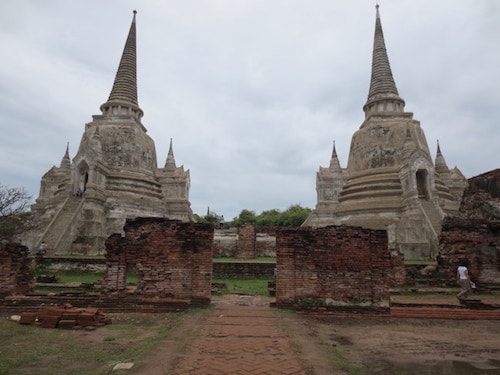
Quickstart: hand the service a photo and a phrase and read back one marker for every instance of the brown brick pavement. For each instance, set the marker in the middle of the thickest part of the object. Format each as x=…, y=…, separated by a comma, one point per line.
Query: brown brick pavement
x=240, y=338
x=241, y=335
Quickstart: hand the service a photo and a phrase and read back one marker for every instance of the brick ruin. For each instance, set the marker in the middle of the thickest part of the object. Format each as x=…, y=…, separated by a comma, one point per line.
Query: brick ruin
x=335, y=266
x=246, y=242
x=170, y=258
x=65, y=317
x=475, y=233
x=16, y=273
x=327, y=266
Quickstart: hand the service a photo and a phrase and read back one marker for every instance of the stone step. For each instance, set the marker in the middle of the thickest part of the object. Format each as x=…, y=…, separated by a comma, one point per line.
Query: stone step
x=60, y=225
x=433, y=214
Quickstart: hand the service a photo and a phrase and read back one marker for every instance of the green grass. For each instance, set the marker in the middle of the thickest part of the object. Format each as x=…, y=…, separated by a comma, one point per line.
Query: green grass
x=78, y=276
x=66, y=277
x=245, y=286
x=236, y=260
x=30, y=349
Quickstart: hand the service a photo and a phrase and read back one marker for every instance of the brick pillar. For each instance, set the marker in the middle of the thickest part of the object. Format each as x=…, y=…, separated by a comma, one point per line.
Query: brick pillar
x=246, y=242
x=16, y=274
x=115, y=275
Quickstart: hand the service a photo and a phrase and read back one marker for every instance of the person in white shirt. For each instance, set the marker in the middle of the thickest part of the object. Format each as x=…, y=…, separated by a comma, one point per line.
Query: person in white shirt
x=463, y=279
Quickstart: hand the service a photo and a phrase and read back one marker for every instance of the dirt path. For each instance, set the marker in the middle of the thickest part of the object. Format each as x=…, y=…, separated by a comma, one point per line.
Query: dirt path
x=240, y=335
x=243, y=335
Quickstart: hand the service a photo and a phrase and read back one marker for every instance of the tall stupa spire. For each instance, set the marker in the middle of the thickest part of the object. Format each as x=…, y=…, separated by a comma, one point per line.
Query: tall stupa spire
x=383, y=95
x=123, y=97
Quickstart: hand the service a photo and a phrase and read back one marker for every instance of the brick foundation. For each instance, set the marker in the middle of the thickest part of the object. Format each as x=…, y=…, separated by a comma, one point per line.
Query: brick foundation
x=334, y=266
x=171, y=259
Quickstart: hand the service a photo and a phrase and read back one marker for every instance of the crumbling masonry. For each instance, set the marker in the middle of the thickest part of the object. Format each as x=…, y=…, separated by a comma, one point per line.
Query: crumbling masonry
x=170, y=258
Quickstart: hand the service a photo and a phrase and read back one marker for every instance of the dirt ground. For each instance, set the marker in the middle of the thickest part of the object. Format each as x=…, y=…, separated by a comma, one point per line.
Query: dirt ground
x=333, y=345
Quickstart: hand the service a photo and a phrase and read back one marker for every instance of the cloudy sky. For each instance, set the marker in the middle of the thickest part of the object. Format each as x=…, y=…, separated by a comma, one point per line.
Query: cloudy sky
x=253, y=92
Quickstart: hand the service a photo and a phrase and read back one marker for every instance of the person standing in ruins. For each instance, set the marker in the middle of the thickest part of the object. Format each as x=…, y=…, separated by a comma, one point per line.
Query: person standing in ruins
x=463, y=279
x=42, y=249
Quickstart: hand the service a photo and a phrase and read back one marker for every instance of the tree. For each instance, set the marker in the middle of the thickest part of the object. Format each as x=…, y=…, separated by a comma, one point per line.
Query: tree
x=13, y=200
x=269, y=218
x=210, y=218
x=245, y=216
x=294, y=216
x=13, y=216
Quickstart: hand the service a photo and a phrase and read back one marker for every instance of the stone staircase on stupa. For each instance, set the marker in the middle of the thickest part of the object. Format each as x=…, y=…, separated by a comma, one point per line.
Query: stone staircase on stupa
x=432, y=214
x=56, y=236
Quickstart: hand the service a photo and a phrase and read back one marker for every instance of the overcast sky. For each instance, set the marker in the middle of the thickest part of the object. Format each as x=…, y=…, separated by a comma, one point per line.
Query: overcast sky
x=253, y=92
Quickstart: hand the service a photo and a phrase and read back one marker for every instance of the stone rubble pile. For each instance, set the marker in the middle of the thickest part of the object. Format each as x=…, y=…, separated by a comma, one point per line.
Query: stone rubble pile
x=66, y=317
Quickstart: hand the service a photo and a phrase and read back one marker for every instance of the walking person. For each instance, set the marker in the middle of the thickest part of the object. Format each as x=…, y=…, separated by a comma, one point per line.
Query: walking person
x=463, y=279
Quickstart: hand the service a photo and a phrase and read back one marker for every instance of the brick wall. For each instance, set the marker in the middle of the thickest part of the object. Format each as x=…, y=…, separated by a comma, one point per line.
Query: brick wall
x=170, y=258
x=474, y=234
x=246, y=242
x=334, y=266
x=474, y=239
x=16, y=274
x=226, y=242
x=235, y=270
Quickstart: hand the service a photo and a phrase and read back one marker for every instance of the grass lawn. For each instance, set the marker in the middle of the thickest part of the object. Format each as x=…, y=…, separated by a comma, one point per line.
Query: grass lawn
x=34, y=350
x=245, y=286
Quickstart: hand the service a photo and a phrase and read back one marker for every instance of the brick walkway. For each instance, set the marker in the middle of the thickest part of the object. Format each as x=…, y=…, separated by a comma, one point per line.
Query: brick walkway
x=240, y=338
x=243, y=335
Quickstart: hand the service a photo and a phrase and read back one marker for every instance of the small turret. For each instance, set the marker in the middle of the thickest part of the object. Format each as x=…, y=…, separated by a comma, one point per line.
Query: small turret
x=66, y=161
x=439, y=163
x=334, y=161
x=170, y=162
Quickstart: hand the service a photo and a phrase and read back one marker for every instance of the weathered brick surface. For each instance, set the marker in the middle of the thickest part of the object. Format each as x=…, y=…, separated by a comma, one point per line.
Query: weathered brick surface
x=170, y=258
x=333, y=266
x=246, y=242
x=65, y=317
x=226, y=242
x=234, y=269
x=239, y=340
x=444, y=313
x=474, y=234
x=474, y=239
x=16, y=275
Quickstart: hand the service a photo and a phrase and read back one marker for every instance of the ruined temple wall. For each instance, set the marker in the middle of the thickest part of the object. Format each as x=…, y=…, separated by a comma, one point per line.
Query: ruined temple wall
x=16, y=274
x=335, y=265
x=227, y=242
x=474, y=239
x=475, y=233
x=170, y=258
